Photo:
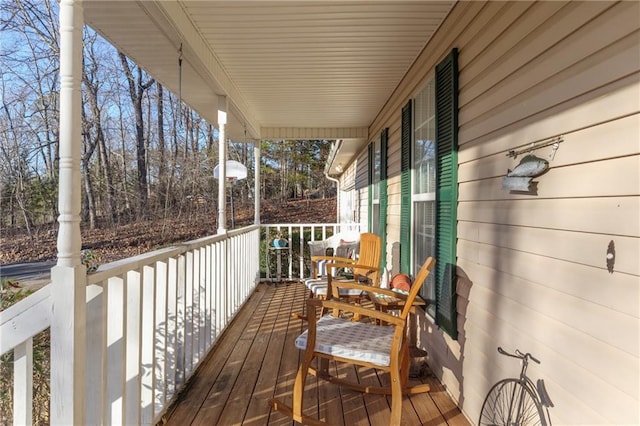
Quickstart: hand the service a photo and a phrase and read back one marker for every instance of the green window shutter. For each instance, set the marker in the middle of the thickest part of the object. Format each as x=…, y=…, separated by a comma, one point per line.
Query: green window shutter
x=370, y=187
x=446, y=191
x=405, y=190
x=384, y=136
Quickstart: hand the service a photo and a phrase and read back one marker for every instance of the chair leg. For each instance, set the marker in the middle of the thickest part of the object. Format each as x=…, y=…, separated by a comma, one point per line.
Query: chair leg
x=323, y=368
x=404, y=365
x=396, y=398
x=299, y=384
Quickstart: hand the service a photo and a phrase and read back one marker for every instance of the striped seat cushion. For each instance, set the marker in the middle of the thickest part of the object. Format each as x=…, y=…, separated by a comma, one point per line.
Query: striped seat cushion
x=313, y=282
x=319, y=288
x=352, y=340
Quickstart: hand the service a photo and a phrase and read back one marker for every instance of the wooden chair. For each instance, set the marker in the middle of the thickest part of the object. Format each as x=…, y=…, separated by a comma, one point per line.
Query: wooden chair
x=365, y=268
x=334, y=337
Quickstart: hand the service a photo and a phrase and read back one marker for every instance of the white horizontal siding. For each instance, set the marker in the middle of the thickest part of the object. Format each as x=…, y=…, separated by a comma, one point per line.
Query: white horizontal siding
x=532, y=267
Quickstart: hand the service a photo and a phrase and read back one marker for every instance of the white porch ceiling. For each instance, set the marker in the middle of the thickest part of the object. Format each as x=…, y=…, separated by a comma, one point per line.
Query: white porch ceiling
x=290, y=69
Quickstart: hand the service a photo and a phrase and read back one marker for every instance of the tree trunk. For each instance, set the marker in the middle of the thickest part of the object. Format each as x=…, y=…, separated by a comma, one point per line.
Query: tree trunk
x=136, y=92
x=89, y=147
x=123, y=157
x=162, y=155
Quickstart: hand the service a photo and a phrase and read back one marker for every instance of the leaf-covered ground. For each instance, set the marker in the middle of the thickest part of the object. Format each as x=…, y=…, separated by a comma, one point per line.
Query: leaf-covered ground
x=132, y=239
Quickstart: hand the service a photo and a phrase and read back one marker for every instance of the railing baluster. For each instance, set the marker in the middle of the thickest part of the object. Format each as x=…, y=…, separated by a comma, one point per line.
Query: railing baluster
x=189, y=314
x=172, y=341
x=160, y=343
x=196, y=307
x=209, y=336
x=202, y=305
x=95, y=352
x=132, y=363
x=23, y=383
x=148, y=336
x=180, y=322
x=115, y=358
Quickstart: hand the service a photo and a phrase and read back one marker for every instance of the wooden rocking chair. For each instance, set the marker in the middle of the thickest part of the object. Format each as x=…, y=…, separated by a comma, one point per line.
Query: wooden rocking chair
x=334, y=337
x=366, y=266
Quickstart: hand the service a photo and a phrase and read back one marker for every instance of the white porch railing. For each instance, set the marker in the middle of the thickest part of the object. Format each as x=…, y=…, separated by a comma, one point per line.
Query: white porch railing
x=152, y=318
x=295, y=259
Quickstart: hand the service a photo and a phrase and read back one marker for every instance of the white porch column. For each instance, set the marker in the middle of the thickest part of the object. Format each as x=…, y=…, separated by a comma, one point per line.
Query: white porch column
x=68, y=277
x=222, y=164
x=256, y=184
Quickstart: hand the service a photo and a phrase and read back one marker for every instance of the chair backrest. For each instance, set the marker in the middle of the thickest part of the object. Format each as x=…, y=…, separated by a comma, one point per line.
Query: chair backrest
x=424, y=272
x=370, y=255
x=346, y=239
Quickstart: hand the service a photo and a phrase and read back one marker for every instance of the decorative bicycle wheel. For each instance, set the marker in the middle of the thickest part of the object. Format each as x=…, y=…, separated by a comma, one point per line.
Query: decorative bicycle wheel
x=510, y=403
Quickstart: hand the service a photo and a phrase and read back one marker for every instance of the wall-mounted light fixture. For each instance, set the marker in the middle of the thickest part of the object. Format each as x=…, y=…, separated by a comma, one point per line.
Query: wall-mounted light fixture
x=339, y=168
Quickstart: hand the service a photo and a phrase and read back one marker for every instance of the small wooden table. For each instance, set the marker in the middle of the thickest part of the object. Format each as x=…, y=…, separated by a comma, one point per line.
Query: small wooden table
x=387, y=303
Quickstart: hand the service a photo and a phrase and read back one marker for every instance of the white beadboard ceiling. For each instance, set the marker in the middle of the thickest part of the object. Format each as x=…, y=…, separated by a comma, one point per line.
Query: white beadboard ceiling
x=288, y=69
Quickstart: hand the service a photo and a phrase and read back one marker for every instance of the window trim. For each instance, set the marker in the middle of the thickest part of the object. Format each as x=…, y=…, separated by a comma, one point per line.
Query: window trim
x=446, y=191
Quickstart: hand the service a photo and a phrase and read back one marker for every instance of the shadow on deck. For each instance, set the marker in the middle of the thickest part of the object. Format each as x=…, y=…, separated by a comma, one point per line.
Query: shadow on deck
x=256, y=360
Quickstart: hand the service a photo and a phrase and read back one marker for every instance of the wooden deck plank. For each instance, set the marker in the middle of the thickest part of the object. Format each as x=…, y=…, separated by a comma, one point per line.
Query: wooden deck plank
x=219, y=396
x=424, y=406
x=236, y=406
x=256, y=360
x=191, y=398
x=330, y=403
x=258, y=410
x=377, y=406
x=410, y=414
x=289, y=359
x=354, y=410
x=448, y=409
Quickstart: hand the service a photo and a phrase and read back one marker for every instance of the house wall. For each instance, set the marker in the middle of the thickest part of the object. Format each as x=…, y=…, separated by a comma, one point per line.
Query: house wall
x=362, y=189
x=532, y=267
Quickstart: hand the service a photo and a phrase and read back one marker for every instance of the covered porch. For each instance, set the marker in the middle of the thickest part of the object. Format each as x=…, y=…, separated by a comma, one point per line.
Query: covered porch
x=196, y=334
x=125, y=339
x=531, y=265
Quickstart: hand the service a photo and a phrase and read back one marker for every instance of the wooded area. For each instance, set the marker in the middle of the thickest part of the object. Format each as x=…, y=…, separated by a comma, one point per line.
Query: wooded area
x=145, y=154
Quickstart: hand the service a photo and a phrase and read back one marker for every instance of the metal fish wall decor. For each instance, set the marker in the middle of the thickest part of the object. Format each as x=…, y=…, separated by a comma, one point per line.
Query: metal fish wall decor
x=529, y=166
x=519, y=179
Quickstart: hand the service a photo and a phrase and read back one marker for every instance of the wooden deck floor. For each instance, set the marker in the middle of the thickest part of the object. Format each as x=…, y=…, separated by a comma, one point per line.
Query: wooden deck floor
x=255, y=360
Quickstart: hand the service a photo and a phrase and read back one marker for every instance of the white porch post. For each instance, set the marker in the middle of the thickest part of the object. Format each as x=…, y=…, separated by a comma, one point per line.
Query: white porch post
x=222, y=164
x=68, y=277
x=256, y=184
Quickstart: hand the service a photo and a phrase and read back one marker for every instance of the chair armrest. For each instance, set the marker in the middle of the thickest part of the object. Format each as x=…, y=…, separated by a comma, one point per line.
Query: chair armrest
x=332, y=259
x=329, y=259
x=371, y=273
x=353, y=265
x=350, y=284
x=388, y=292
x=354, y=309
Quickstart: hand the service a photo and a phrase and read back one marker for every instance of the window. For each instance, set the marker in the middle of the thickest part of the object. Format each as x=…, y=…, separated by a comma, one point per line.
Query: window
x=429, y=189
x=375, y=186
x=378, y=190
x=423, y=184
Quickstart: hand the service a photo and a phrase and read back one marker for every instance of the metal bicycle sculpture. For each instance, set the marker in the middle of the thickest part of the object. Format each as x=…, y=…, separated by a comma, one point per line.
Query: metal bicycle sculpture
x=516, y=401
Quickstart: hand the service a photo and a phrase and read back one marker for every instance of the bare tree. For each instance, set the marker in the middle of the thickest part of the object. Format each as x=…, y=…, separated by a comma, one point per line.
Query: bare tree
x=94, y=132
x=35, y=66
x=137, y=88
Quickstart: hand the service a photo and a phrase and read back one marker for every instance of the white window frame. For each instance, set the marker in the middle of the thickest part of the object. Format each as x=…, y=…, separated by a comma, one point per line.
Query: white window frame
x=375, y=185
x=420, y=123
